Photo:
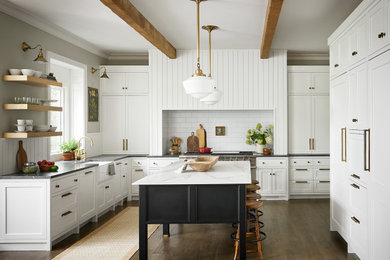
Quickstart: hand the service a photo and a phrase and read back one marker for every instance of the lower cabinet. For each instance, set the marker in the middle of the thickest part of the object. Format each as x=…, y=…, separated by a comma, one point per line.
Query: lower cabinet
x=87, y=191
x=272, y=177
x=105, y=195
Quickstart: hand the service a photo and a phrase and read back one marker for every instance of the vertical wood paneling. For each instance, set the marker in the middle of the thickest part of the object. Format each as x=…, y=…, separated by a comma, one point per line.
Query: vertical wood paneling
x=247, y=82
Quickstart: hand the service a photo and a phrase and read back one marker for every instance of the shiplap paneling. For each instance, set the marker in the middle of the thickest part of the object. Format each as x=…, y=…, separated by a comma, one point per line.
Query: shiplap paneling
x=247, y=82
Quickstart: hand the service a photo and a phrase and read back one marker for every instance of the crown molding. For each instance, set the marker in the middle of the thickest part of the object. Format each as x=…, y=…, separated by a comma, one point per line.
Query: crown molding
x=137, y=56
x=307, y=56
x=46, y=26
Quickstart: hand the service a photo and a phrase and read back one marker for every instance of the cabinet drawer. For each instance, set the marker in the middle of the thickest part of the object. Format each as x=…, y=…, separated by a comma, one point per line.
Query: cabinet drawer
x=140, y=162
x=358, y=235
x=358, y=199
x=159, y=163
x=322, y=174
x=302, y=162
x=271, y=163
x=63, y=200
x=322, y=187
x=63, y=221
x=302, y=174
x=322, y=162
x=301, y=187
x=58, y=185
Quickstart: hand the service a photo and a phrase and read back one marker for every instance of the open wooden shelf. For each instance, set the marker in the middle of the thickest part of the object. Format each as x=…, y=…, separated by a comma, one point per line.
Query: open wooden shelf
x=30, y=134
x=30, y=107
x=33, y=81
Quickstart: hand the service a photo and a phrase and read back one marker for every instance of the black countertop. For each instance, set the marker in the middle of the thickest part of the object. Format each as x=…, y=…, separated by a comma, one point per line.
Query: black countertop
x=64, y=168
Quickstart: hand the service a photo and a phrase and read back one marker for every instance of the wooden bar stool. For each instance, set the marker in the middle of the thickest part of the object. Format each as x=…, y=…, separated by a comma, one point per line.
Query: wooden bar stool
x=253, y=196
x=255, y=182
x=252, y=188
x=254, y=235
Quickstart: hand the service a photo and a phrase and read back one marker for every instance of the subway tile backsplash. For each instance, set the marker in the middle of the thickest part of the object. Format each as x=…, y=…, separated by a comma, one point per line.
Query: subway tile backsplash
x=237, y=122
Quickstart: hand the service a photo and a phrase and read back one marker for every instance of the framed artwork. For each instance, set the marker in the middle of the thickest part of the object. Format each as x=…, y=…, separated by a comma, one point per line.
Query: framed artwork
x=93, y=104
x=220, y=130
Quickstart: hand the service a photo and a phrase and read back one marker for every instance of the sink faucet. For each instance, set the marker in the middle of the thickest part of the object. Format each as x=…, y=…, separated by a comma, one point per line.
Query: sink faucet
x=80, y=152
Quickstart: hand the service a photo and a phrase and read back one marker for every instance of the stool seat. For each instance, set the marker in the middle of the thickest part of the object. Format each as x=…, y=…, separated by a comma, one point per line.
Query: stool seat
x=250, y=204
x=255, y=182
x=252, y=187
x=253, y=196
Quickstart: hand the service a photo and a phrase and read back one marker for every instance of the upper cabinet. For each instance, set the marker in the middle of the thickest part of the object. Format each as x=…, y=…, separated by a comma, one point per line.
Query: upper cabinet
x=126, y=80
x=358, y=42
x=379, y=26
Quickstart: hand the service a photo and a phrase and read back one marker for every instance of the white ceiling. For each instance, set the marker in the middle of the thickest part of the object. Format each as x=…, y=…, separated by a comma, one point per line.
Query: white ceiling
x=304, y=25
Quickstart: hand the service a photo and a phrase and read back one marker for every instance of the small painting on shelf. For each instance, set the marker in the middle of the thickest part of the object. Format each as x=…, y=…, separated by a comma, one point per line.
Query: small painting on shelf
x=220, y=130
x=93, y=104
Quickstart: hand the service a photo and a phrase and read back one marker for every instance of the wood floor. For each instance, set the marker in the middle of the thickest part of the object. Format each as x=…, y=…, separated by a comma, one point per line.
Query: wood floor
x=297, y=229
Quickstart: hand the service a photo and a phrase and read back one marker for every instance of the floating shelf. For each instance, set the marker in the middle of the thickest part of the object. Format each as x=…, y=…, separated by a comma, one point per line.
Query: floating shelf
x=30, y=134
x=33, y=81
x=30, y=107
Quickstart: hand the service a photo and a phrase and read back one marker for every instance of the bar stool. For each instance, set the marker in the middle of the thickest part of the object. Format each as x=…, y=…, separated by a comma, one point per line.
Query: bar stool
x=252, y=188
x=254, y=234
x=255, y=182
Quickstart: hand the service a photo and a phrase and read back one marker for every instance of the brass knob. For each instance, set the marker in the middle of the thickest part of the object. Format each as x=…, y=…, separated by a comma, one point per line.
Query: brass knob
x=354, y=53
x=354, y=120
x=336, y=65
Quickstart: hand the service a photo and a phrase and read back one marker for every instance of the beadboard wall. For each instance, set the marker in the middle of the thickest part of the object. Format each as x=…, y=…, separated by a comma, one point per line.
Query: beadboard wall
x=182, y=123
x=247, y=82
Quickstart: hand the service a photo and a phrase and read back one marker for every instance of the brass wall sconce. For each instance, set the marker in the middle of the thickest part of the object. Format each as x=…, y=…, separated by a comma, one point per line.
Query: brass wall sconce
x=104, y=75
x=39, y=59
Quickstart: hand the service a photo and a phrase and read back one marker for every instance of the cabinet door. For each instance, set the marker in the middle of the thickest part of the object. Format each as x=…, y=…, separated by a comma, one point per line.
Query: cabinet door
x=358, y=42
x=113, y=124
x=116, y=84
x=117, y=179
x=137, y=82
x=299, y=83
x=279, y=181
x=87, y=200
x=379, y=35
x=264, y=176
x=300, y=124
x=320, y=143
x=137, y=124
x=136, y=174
x=358, y=98
x=334, y=52
x=100, y=201
x=320, y=83
x=109, y=193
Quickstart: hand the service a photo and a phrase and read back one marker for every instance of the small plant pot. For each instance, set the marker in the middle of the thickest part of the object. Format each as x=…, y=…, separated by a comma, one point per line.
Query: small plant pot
x=267, y=151
x=260, y=148
x=68, y=156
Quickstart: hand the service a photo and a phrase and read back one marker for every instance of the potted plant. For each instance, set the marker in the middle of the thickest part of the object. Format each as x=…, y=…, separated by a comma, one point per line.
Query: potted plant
x=68, y=148
x=260, y=137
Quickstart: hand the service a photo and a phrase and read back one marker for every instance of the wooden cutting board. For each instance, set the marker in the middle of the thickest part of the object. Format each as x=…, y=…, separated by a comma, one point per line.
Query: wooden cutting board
x=201, y=134
x=192, y=143
x=21, y=156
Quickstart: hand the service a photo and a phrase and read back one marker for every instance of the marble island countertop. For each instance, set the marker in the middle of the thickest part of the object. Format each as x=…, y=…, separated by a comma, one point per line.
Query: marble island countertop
x=237, y=172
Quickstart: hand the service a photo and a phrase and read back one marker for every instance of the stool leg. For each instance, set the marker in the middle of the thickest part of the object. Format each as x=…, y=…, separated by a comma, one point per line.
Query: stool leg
x=258, y=236
x=236, y=243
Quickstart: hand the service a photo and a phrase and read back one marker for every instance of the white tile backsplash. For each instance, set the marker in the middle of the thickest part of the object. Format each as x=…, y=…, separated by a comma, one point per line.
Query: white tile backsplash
x=181, y=123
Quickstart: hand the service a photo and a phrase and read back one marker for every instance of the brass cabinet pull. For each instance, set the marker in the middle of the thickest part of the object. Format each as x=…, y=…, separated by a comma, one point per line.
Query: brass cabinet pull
x=119, y=163
x=324, y=169
x=355, y=186
x=355, y=220
x=354, y=120
x=139, y=170
x=57, y=186
x=355, y=176
x=312, y=145
x=75, y=180
x=324, y=181
x=367, y=150
x=309, y=143
x=107, y=187
x=66, y=213
x=88, y=172
x=127, y=144
x=124, y=176
x=66, y=194
x=123, y=144
x=336, y=65
x=301, y=169
x=301, y=181
x=354, y=53
x=381, y=35
x=343, y=144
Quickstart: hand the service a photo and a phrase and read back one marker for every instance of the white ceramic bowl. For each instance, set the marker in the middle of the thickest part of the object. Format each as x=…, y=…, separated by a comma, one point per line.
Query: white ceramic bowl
x=52, y=129
x=28, y=72
x=41, y=128
x=29, y=122
x=29, y=128
x=15, y=71
x=21, y=128
x=37, y=74
x=21, y=121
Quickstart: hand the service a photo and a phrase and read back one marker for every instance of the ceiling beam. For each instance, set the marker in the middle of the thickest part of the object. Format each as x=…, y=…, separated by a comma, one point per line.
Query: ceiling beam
x=125, y=10
x=271, y=20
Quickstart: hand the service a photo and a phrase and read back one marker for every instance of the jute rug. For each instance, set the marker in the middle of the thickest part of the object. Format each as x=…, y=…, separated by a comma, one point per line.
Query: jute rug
x=116, y=239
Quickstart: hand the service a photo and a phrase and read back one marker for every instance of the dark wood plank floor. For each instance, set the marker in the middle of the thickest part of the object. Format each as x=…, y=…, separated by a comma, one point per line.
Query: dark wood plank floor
x=297, y=229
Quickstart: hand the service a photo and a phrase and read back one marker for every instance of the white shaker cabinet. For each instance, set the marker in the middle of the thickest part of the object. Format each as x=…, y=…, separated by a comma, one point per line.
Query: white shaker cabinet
x=125, y=80
x=87, y=189
x=320, y=125
x=379, y=26
x=137, y=124
x=273, y=178
x=358, y=42
x=300, y=125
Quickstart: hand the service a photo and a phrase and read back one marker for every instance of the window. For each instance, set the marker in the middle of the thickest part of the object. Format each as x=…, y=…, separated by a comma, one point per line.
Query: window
x=71, y=97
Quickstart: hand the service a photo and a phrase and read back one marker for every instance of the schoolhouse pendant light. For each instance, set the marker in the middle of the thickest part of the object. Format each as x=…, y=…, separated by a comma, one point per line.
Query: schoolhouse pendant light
x=198, y=86
x=216, y=94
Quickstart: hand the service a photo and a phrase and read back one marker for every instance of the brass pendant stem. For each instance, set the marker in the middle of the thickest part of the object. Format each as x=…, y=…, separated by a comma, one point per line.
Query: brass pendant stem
x=197, y=33
x=210, y=28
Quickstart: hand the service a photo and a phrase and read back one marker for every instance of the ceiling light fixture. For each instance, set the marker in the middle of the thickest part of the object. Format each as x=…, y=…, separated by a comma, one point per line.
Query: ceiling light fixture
x=39, y=59
x=198, y=85
x=216, y=94
x=104, y=75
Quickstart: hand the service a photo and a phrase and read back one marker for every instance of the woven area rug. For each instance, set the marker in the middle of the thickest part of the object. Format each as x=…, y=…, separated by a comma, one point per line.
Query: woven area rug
x=116, y=239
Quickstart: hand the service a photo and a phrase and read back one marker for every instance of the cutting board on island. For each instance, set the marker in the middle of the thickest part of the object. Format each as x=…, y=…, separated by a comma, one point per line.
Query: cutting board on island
x=192, y=143
x=201, y=134
x=21, y=156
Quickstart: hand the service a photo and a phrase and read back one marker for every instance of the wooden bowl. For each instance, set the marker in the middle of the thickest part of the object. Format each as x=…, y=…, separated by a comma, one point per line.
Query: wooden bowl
x=203, y=164
x=44, y=168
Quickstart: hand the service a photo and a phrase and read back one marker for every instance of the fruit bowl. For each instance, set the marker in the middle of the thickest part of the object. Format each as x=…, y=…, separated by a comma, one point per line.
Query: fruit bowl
x=44, y=168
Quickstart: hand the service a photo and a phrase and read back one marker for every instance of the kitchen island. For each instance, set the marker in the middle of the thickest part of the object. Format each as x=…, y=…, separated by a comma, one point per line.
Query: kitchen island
x=172, y=197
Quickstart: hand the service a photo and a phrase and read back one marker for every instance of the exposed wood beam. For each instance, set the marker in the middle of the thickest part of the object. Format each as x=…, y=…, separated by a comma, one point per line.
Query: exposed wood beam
x=125, y=10
x=271, y=20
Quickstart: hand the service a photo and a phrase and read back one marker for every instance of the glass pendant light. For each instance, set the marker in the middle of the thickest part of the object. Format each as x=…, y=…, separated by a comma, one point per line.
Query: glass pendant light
x=198, y=86
x=216, y=94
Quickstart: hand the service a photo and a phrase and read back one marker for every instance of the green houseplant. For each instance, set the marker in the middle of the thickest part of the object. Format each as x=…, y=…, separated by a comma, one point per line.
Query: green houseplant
x=260, y=137
x=68, y=148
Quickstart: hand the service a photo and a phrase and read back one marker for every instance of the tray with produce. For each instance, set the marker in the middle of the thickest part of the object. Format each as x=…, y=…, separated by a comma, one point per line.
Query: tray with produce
x=45, y=166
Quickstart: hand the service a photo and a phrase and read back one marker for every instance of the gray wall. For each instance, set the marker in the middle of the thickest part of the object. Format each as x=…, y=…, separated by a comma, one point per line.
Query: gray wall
x=13, y=32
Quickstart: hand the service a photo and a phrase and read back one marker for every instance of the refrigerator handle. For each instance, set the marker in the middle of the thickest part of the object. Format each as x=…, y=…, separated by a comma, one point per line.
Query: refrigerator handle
x=367, y=150
x=344, y=144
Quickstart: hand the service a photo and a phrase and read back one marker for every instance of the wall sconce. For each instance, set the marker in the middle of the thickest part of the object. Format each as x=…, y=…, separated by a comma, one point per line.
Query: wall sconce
x=104, y=75
x=39, y=59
